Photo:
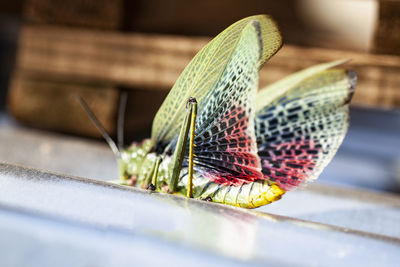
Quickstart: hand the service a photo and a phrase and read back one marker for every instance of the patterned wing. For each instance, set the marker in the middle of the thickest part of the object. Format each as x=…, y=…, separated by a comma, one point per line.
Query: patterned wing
x=275, y=90
x=225, y=141
x=205, y=71
x=300, y=130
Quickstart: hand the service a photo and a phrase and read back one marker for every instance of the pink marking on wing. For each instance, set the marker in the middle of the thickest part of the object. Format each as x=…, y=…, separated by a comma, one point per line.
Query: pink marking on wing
x=294, y=167
x=224, y=179
x=240, y=147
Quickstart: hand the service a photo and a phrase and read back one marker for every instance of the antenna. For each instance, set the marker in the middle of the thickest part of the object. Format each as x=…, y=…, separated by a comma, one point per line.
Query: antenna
x=121, y=118
x=100, y=127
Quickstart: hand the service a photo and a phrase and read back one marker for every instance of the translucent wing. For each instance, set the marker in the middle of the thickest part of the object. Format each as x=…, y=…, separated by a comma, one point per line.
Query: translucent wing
x=225, y=141
x=300, y=130
x=205, y=71
x=275, y=90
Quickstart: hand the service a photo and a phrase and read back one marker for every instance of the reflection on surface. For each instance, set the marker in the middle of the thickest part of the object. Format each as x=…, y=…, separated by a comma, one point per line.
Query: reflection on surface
x=217, y=229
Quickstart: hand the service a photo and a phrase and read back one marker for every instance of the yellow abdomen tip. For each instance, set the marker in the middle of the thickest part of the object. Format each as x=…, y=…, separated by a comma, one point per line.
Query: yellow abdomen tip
x=270, y=194
x=274, y=193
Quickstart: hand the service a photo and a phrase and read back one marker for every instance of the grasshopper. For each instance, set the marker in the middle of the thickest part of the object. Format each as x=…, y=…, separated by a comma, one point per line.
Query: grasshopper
x=218, y=138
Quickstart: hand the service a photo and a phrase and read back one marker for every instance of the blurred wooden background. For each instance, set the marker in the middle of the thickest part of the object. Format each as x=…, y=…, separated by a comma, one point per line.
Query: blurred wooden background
x=96, y=49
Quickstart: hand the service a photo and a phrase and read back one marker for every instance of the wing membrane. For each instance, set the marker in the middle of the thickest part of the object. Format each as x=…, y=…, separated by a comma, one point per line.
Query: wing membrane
x=273, y=91
x=300, y=130
x=225, y=140
x=205, y=71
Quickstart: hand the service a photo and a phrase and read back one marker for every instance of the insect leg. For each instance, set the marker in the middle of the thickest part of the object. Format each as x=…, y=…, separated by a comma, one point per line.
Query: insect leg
x=153, y=185
x=191, y=147
x=180, y=148
x=149, y=177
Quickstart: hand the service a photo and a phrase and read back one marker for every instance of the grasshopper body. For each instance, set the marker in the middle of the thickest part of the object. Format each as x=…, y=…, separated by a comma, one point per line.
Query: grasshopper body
x=217, y=137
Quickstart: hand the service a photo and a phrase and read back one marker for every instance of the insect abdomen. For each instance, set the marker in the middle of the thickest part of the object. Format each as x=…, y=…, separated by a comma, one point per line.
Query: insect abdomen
x=251, y=195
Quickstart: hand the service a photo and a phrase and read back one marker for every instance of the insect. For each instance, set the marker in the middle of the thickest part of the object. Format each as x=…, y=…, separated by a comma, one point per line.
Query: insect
x=217, y=138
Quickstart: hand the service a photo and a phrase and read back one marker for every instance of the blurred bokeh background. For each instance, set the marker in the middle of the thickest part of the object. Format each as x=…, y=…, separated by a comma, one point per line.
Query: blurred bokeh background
x=51, y=51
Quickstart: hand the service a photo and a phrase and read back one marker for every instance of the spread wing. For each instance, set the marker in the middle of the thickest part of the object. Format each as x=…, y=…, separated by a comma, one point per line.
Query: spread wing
x=204, y=74
x=301, y=122
x=225, y=141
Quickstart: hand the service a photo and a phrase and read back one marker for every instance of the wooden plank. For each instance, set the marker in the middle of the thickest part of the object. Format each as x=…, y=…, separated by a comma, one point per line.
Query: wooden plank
x=387, y=33
x=102, y=14
x=309, y=23
x=208, y=18
x=54, y=105
x=135, y=60
x=301, y=23
x=155, y=61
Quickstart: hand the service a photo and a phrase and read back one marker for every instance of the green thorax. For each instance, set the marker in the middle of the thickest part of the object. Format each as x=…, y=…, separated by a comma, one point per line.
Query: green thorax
x=136, y=163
